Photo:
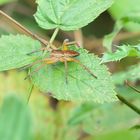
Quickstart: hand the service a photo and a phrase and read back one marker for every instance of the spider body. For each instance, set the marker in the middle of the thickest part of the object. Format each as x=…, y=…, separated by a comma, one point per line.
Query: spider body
x=64, y=55
x=60, y=56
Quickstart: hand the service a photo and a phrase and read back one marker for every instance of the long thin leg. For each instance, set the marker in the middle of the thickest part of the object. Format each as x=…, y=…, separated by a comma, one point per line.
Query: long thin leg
x=30, y=65
x=72, y=43
x=30, y=92
x=83, y=66
x=64, y=46
x=66, y=71
x=37, y=69
x=66, y=43
x=41, y=49
x=53, y=47
x=45, y=61
x=22, y=28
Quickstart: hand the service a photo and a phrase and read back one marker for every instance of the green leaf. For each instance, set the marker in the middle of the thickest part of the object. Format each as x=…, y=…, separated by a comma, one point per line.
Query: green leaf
x=103, y=118
x=15, y=120
x=81, y=85
x=130, y=17
x=121, y=8
x=79, y=114
x=69, y=14
x=122, y=52
x=108, y=39
x=129, y=93
x=14, y=49
x=6, y=1
x=118, y=135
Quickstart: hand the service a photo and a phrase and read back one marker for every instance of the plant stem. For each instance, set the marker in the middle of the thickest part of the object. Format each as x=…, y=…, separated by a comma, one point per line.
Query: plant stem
x=21, y=28
x=133, y=107
x=128, y=84
x=51, y=40
x=54, y=35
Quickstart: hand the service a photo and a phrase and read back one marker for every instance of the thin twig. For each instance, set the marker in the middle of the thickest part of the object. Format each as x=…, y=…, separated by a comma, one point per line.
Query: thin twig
x=51, y=40
x=133, y=107
x=22, y=28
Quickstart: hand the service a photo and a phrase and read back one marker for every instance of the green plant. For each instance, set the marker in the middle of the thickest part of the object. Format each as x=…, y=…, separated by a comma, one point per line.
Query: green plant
x=18, y=123
x=99, y=115
x=64, y=15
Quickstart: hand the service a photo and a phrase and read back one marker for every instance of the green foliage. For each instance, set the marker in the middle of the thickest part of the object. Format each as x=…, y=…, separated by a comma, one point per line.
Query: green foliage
x=129, y=17
x=131, y=74
x=81, y=85
x=108, y=39
x=15, y=120
x=133, y=17
x=103, y=119
x=69, y=14
x=68, y=120
x=122, y=52
x=118, y=135
x=128, y=93
x=122, y=8
x=6, y=1
x=14, y=49
x=52, y=123
x=79, y=114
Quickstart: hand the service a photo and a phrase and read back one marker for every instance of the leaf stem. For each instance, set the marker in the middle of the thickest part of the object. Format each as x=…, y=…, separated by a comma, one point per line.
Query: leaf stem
x=132, y=106
x=54, y=35
x=51, y=40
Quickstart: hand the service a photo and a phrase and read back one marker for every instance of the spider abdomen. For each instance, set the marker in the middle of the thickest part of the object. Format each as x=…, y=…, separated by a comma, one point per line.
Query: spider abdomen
x=64, y=53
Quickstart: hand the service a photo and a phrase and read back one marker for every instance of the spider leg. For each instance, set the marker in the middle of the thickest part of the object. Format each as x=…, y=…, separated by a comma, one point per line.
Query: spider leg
x=50, y=60
x=30, y=65
x=82, y=65
x=66, y=71
x=43, y=49
x=66, y=43
x=37, y=69
x=72, y=43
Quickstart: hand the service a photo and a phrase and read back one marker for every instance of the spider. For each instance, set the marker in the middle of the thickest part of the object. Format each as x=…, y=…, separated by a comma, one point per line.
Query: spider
x=64, y=55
